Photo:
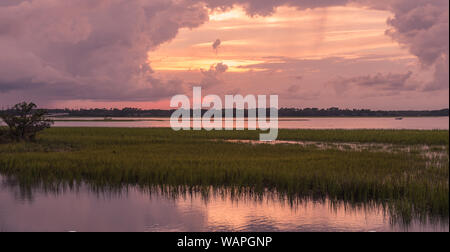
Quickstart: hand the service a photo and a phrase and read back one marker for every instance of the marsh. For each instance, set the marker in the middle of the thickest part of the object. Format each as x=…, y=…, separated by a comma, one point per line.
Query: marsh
x=403, y=185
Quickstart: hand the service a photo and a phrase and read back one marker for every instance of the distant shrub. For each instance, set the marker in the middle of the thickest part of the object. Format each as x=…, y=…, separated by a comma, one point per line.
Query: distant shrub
x=24, y=121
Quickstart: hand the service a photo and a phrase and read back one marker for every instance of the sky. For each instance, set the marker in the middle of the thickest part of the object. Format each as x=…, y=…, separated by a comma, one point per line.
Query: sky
x=374, y=54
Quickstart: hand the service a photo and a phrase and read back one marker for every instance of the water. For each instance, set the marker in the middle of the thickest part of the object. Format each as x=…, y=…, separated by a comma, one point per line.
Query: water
x=421, y=123
x=138, y=210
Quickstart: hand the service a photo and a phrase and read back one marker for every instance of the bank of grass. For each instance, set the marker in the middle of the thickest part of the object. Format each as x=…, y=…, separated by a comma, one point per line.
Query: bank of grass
x=408, y=184
x=399, y=137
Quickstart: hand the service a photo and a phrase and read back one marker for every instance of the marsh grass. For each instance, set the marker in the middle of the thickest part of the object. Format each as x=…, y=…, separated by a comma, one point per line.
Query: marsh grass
x=400, y=137
x=407, y=184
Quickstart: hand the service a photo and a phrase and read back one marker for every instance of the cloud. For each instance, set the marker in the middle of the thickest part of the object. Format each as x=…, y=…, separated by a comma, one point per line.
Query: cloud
x=219, y=68
x=211, y=76
x=216, y=45
x=441, y=76
x=423, y=27
x=90, y=49
x=394, y=82
x=293, y=89
x=295, y=92
x=11, y=2
x=268, y=7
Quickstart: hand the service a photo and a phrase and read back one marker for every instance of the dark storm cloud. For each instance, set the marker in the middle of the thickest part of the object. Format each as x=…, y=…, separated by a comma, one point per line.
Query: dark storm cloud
x=90, y=49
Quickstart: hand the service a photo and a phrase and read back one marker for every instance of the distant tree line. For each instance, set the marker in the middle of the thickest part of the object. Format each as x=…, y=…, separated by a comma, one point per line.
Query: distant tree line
x=336, y=112
x=283, y=112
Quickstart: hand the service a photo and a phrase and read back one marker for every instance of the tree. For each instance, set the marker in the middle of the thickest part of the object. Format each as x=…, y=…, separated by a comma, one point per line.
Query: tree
x=25, y=121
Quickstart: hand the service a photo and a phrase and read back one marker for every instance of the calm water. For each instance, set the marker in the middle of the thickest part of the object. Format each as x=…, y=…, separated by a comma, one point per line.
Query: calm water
x=135, y=210
x=422, y=123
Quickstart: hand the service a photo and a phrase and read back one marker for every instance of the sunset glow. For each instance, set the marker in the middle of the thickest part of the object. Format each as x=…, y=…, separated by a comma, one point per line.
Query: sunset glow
x=310, y=34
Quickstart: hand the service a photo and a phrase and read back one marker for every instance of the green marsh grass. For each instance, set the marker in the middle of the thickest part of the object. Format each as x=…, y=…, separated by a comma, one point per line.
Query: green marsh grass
x=409, y=185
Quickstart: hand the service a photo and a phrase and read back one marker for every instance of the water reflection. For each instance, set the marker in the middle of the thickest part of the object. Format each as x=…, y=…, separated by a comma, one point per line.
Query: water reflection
x=420, y=123
x=82, y=208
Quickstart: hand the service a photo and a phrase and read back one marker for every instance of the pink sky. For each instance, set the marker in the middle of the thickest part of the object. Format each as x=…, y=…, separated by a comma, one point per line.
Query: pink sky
x=139, y=53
